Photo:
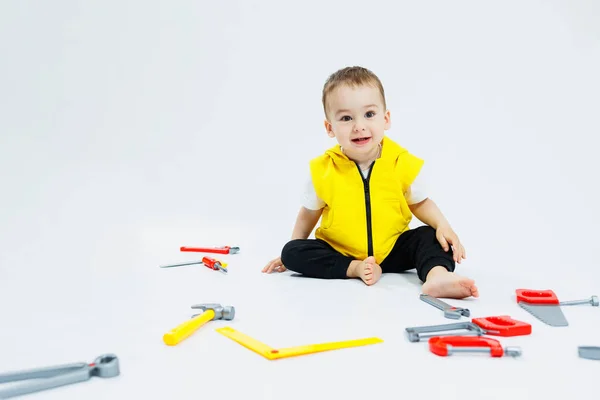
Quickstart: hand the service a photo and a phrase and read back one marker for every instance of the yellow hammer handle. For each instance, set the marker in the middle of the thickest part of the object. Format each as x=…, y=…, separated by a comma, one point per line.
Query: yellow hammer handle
x=184, y=330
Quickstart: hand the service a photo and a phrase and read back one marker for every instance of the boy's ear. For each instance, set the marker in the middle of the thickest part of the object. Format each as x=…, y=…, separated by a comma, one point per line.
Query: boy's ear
x=328, y=129
x=388, y=120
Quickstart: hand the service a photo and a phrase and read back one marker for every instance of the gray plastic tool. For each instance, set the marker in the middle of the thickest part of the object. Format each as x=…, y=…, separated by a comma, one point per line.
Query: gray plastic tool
x=417, y=333
x=550, y=314
x=105, y=366
x=589, y=352
x=449, y=311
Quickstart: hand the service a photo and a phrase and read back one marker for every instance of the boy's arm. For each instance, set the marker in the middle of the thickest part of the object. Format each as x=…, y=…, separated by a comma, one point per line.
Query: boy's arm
x=429, y=213
x=305, y=222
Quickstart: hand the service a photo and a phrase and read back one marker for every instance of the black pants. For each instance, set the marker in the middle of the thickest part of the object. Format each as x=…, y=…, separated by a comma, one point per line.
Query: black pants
x=416, y=248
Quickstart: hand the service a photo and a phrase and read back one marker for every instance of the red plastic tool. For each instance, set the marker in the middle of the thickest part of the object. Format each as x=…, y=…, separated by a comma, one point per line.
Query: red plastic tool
x=447, y=345
x=537, y=296
x=503, y=325
x=213, y=264
x=219, y=250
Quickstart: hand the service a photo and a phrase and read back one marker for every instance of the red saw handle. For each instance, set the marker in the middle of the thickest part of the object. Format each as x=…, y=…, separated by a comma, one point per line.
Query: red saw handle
x=219, y=250
x=503, y=325
x=439, y=344
x=537, y=296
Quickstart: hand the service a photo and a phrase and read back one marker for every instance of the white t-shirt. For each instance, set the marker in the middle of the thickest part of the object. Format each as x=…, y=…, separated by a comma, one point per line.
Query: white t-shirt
x=417, y=193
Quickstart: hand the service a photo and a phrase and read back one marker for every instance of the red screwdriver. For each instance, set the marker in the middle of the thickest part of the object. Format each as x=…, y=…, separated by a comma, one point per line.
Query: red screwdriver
x=207, y=261
x=213, y=264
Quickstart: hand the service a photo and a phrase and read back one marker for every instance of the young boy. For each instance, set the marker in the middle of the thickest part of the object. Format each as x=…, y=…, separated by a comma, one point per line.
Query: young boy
x=365, y=191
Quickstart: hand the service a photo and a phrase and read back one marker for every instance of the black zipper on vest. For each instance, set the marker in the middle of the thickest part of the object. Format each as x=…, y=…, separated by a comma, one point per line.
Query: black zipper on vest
x=368, y=206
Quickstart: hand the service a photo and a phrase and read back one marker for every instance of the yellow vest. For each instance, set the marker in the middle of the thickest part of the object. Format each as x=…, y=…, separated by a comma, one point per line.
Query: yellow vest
x=364, y=216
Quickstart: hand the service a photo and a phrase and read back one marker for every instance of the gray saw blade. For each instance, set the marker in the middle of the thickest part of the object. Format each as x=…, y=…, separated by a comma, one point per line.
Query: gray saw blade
x=549, y=314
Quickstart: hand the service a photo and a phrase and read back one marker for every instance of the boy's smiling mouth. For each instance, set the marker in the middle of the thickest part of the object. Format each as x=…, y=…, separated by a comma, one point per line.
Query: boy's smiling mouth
x=361, y=140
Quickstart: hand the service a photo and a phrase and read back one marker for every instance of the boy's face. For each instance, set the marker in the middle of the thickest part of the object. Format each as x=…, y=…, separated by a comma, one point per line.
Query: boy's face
x=357, y=119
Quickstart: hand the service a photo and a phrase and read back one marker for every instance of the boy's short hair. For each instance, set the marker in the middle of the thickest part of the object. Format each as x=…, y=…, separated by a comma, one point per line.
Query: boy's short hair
x=352, y=76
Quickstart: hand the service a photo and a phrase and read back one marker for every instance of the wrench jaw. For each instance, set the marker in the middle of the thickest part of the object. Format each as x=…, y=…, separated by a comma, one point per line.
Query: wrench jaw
x=451, y=314
x=106, y=366
x=457, y=312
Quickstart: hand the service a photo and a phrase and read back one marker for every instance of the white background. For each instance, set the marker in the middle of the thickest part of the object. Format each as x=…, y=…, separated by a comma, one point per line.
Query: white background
x=129, y=129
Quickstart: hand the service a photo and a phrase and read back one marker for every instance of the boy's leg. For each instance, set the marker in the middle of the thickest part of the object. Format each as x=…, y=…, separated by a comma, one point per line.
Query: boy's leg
x=317, y=259
x=419, y=248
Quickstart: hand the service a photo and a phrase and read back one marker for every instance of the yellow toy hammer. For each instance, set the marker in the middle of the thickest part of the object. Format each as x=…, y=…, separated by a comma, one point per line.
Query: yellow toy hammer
x=211, y=312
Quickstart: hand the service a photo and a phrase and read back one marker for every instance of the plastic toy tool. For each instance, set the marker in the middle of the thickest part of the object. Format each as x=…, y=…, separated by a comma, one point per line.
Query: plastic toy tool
x=184, y=330
x=274, y=354
x=502, y=325
x=544, y=305
x=445, y=346
x=104, y=366
x=213, y=264
x=219, y=250
x=206, y=261
x=589, y=352
x=449, y=311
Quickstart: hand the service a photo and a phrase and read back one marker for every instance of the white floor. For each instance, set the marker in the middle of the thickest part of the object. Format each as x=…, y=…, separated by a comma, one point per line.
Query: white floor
x=131, y=129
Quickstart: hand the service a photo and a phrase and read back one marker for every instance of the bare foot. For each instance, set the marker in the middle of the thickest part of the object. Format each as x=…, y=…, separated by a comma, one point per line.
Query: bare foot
x=367, y=270
x=442, y=283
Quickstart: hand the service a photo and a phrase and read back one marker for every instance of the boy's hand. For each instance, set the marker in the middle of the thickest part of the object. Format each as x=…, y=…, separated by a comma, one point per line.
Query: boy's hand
x=274, y=265
x=446, y=236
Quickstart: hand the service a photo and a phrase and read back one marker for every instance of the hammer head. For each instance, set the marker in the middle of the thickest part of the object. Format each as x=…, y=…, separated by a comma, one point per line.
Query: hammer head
x=221, y=312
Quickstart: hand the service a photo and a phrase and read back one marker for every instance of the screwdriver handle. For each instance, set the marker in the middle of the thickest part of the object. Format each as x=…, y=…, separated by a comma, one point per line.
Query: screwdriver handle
x=181, y=332
x=213, y=264
x=209, y=262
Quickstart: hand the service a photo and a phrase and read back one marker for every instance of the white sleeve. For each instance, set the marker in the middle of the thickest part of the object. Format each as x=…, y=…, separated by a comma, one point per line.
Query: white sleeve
x=418, y=189
x=310, y=199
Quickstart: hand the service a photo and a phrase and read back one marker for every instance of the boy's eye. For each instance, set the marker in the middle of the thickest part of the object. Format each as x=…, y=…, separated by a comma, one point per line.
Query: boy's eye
x=346, y=118
x=370, y=114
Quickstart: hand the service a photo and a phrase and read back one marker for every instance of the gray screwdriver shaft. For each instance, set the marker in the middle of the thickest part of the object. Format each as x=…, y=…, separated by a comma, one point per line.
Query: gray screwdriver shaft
x=180, y=265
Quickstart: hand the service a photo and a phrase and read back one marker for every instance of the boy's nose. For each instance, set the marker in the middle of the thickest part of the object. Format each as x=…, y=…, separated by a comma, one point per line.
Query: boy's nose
x=359, y=126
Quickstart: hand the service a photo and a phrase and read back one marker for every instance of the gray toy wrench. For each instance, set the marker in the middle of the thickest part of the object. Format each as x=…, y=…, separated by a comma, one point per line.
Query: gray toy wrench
x=449, y=311
x=105, y=366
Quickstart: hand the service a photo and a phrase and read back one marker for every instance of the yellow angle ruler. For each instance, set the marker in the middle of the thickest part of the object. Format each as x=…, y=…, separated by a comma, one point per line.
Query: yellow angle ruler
x=274, y=354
